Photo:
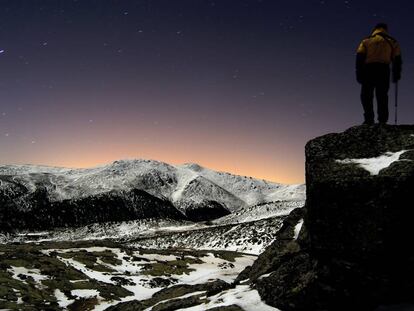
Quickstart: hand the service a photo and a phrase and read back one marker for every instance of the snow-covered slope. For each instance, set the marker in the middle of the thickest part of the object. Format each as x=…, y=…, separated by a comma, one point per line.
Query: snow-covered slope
x=252, y=191
x=40, y=197
x=248, y=237
x=176, y=183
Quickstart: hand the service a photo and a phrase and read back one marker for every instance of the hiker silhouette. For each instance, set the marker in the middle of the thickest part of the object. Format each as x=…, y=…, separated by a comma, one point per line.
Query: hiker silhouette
x=375, y=54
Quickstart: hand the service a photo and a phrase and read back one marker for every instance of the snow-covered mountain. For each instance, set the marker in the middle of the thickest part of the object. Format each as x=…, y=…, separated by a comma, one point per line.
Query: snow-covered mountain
x=188, y=191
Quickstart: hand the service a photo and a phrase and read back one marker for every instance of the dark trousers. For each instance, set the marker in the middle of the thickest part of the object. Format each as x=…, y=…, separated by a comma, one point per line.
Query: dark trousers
x=376, y=79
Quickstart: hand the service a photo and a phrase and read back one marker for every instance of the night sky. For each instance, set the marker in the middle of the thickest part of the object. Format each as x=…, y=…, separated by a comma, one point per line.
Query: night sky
x=234, y=85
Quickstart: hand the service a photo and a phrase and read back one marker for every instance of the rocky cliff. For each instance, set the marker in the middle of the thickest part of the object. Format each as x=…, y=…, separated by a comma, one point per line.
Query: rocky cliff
x=354, y=250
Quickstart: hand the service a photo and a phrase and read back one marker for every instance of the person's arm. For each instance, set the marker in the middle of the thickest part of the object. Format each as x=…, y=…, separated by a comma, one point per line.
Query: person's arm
x=396, y=63
x=360, y=62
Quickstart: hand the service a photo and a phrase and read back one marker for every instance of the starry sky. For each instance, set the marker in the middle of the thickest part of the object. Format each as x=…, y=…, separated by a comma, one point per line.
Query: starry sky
x=234, y=85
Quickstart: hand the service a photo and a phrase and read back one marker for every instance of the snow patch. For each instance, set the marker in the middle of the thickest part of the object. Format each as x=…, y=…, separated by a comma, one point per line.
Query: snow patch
x=85, y=293
x=178, y=297
x=207, y=270
x=61, y=298
x=263, y=276
x=297, y=228
x=243, y=296
x=375, y=165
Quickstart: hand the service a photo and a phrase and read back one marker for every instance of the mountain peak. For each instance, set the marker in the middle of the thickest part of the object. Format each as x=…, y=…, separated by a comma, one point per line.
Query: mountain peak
x=193, y=166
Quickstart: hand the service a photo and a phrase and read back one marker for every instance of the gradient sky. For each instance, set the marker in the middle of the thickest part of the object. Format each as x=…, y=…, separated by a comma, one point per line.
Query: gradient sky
x=234, y=85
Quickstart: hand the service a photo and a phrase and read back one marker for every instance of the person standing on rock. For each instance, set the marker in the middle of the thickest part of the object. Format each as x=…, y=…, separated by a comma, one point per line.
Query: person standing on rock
x=374, y=56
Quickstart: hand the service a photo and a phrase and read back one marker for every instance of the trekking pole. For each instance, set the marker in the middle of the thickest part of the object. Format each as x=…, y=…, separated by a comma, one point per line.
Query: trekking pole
x=396, y=102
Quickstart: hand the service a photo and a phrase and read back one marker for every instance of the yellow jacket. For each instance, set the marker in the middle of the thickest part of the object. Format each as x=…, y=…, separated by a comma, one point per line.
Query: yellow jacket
x=379, y=48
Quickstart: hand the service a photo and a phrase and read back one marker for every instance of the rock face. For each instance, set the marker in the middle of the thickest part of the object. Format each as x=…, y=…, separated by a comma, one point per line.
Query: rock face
x=354, y=250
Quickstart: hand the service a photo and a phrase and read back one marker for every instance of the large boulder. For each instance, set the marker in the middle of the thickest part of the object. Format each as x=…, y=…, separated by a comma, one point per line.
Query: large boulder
x=354, y=212
x=354, y=251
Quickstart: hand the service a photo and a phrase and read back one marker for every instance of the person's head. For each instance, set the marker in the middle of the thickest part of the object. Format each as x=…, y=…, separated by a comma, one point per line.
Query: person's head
x=381, y=26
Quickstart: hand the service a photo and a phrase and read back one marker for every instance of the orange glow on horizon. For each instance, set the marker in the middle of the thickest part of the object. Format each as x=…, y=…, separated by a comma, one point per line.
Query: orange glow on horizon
x=238, y=150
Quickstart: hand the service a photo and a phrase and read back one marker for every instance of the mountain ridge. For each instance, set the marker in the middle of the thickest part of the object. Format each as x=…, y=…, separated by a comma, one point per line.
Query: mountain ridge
x=196, y=192
x=81, y=176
